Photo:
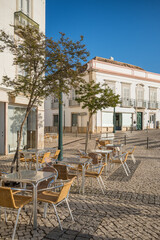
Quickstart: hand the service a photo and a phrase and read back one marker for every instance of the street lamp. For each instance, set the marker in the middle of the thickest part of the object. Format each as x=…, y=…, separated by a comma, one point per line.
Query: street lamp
x=60, y=130
x=114, y=120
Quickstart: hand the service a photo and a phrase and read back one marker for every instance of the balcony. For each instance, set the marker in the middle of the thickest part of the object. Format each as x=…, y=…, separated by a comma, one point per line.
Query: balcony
x=125, y=102
x=153, y=105
x=21, y=19
x=73, y=103
x=140, y=104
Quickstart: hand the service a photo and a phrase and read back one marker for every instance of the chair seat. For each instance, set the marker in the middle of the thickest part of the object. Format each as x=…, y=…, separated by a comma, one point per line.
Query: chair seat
x=48, y=196
x=25, y=160
x=20, y=200
x=91, y=174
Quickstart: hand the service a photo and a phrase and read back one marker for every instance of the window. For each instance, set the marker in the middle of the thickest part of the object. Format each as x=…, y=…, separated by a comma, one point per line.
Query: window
x=153, y=95
x=24, y=6
x=126, y=91
x=111, y=85
x=74, y=119
x=73, y=94
x=140, y=96
x=55, y=120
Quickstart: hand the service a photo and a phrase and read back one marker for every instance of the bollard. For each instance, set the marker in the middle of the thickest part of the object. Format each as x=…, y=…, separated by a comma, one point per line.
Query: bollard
x=125, y=140
x=147, y=142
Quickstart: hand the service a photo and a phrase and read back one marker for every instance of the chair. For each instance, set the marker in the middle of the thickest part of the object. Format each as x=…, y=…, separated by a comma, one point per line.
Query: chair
x=96, y=172
x=46, y=183
x=56, y=198
x=122, y=159
x=42, y=160
x=130, y=153
x=96, y=158
x=13, y=201
x=63, y=172
x=55, y=157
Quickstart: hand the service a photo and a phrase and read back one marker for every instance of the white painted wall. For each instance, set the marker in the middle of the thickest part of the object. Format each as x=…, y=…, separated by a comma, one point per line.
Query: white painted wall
x=7, y=10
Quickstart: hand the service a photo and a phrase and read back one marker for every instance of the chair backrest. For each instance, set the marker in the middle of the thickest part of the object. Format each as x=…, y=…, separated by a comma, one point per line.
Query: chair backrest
x=65, y=190
x=101, y=167
x=56, y=154
x=95, y=158
x=6, y=198
x=45, y=156
x=104, y=142
x=124, y=157
x=47, y=182
x=133, y=149
x=62, y=171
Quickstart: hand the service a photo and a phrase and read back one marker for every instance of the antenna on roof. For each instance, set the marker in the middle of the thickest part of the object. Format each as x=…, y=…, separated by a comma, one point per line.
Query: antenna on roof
x=111, y=58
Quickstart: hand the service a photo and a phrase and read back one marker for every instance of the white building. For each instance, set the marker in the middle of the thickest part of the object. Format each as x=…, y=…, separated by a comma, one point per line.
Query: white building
x=139, y=91
x=13, y=12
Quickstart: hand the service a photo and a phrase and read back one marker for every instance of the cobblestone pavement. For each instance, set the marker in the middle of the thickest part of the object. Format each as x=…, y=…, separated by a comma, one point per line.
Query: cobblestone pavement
x=128, y=210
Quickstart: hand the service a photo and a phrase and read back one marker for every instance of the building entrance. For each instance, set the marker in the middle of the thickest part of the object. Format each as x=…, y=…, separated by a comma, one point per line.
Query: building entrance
x=118, y=121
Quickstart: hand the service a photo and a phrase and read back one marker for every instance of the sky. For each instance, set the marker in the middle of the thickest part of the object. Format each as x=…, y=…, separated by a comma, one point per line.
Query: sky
x=127, y=30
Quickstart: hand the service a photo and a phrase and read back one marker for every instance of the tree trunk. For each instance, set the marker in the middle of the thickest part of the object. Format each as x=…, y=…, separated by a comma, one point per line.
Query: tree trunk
x=19, y=138
x=87, y=133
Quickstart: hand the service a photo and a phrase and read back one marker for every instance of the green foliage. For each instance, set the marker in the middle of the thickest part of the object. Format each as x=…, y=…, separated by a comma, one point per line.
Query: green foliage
x=96, y=97
x=47, y=66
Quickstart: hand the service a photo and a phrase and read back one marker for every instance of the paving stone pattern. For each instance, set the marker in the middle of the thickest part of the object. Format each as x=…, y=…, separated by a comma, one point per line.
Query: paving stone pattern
x=128, y=210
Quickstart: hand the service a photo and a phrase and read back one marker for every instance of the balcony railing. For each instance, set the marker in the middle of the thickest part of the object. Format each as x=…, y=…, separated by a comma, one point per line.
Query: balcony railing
x=21, y=19
x=153, y=105
x=73, y=103
x=125, y=102
x=140, y=104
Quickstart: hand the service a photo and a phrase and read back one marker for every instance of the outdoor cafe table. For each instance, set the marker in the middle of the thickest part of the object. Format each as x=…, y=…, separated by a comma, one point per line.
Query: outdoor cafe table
x=32, y=177
x=28, y=153
x=118, y=146
x=78, y=161
x=103, y=151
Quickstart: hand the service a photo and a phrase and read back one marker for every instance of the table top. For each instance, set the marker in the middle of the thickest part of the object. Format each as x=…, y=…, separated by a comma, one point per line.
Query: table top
x=28, y=176
x=114, y=145
x=106, y=138
x=76, y=160
x=105, y=151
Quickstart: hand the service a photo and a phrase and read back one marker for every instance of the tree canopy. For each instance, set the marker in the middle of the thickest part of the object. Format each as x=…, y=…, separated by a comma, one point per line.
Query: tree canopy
x=44, y=66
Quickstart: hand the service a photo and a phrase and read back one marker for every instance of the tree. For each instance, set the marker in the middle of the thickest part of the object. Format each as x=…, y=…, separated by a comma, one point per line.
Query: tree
x=95, y=97
x=47, y=67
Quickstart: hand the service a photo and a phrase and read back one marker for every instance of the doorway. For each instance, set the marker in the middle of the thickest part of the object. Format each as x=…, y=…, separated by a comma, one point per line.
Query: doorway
x=139, y=120
x=118, y=121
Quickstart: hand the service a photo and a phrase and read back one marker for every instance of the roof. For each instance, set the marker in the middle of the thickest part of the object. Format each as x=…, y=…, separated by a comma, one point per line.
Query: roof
x=117, y=63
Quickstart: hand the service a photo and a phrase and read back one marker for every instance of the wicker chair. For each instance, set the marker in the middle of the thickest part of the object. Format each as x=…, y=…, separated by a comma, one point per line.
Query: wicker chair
x=63, y=172
x=42, y=160
x=56, y=198
x=95, y=172
x=122, y=159
x=130, y=153
x=13, y=201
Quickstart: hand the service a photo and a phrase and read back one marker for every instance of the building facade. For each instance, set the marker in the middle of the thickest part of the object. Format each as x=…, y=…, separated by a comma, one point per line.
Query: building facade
x=19, y=12
x=139, y=92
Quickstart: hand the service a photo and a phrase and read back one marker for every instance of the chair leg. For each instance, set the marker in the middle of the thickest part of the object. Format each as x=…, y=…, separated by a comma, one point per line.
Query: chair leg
x=14, y=231
x=133, y=158
x=57, y=216
x=69, y=209
x=5, y=215
x=45, y=210
x=102, y=182
x=125, y=169
x=100, y=185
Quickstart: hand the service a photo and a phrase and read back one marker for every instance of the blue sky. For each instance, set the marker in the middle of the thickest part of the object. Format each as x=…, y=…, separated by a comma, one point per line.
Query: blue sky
x=128, y=30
